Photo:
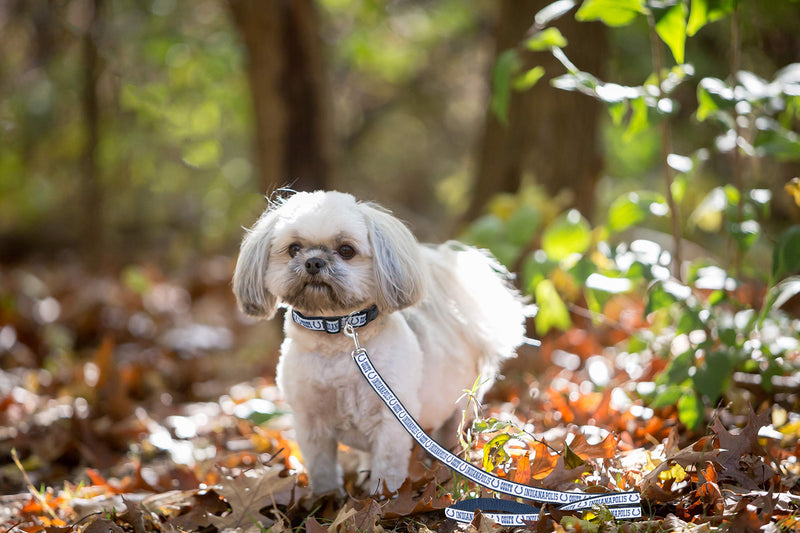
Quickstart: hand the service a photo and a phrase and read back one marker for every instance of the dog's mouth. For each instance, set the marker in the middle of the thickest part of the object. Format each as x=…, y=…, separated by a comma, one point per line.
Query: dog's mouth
x=313, y=295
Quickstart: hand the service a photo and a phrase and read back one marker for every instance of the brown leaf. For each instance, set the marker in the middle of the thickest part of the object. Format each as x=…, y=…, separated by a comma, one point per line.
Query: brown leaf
x=482, y=524
x=543, y=461
x=102, y=525
x=312, y=526
x=366, y=517
x=740, y=455
x=696, y=454
x=112, y=396
x=202, y=506
x=562, y=474
x=408, y=502
x=746, y=521
x=247, y=494
x=604, y=449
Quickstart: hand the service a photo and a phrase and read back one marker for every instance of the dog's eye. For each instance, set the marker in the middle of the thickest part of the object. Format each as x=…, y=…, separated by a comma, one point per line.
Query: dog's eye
x=346, y=251
x=294, y=249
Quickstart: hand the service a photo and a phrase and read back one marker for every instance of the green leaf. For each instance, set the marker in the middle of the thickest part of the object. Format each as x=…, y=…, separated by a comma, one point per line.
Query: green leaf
x=611, y=12
x=546, y=39
x=706, y=106
x=669, y=396
x=522, y=224
x=677, y=370
x=507, y=65
x=713, y=95
x=707, y=11
x=202, y=154
x=552, y=311
x=639, y=121
x=712, y=378
x=633, y=208
x=568, y=234
x=571, y=459
x=618, y=110
x=662, y=294
x=745, y=233
x=536, y=267
x=690, y=411
x=671, y=27
x=525, y=81
x=786, y=254
x=486, y=230
x=489, y=425
x=774, y=140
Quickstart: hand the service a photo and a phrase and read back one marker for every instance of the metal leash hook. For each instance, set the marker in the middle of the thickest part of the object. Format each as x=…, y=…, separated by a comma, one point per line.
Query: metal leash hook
x=350, y=331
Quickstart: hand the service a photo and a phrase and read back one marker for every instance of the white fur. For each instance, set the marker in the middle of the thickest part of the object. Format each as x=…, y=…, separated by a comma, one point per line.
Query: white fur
x=446, y=316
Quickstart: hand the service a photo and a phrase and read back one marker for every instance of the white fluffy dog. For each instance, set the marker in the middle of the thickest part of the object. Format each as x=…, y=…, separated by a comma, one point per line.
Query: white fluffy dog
x=432, y=318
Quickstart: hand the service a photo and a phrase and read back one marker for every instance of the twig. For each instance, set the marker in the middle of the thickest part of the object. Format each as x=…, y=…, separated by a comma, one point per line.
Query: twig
x=737, y=162
x=35, y=493
x=666, y=149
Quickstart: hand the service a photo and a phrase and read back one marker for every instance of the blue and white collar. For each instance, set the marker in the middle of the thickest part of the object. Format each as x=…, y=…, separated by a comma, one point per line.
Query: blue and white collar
x=335, y=324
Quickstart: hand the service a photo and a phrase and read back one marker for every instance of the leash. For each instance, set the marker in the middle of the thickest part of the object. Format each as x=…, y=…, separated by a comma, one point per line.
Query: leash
x=622, y=505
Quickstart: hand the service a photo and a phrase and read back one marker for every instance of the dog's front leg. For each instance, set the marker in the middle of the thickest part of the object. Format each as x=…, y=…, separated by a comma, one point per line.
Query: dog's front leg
x=319, y=446
x=390, y=455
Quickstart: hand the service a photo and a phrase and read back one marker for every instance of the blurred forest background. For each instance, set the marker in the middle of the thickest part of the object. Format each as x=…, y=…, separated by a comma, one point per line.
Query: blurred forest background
x=152, y=130
x=138, y=138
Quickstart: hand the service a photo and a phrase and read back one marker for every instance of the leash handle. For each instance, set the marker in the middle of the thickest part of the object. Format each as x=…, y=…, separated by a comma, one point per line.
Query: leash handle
x=623, y=505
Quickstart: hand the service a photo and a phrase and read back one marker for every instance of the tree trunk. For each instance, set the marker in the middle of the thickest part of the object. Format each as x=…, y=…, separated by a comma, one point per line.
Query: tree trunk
x=92, y=236
x=293, y=142
x=551, y=134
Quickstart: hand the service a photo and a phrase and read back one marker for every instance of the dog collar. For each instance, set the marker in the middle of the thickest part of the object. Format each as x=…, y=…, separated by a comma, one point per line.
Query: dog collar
x=335, y=324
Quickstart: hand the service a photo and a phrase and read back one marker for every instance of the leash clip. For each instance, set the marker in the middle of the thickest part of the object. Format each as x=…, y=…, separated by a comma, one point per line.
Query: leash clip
x=350, y=331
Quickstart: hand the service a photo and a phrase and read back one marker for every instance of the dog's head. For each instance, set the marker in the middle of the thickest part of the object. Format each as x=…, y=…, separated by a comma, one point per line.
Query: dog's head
x=325, y=253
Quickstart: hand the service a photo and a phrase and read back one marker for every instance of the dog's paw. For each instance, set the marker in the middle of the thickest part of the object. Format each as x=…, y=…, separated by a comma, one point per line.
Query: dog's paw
x=386, y=483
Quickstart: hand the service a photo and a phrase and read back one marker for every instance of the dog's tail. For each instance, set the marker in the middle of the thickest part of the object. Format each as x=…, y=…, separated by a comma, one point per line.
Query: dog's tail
x=482, y=300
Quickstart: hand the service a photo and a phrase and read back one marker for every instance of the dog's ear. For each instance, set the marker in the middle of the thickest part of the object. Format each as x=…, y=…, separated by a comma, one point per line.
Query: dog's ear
x=249, y=278
x=396, y=260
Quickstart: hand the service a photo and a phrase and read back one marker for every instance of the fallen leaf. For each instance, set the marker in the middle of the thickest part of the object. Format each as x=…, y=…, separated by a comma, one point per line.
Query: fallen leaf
x=102, y=525
x=407, y=502
x=313, y=526
x=247, y=494
x=543, y=461
x=604, y=449
x=571, y=459
x=522, y=473
x=741, y=456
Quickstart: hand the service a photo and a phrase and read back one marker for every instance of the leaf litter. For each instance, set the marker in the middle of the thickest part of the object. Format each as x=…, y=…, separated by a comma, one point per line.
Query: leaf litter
x=127, y=404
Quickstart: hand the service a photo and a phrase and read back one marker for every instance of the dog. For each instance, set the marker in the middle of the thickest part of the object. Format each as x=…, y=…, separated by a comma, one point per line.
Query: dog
x=433, y=318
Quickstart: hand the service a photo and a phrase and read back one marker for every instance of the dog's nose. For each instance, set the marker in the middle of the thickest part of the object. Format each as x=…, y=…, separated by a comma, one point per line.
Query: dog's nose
x=314, y=264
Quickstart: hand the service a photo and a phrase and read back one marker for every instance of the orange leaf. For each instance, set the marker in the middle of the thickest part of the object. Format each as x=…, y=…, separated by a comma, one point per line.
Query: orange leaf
x=95, y=477
x=604, y=449
x=543, y=461
x=709, y=473
x=561, y=405
x=32, y=506
x=523, y=473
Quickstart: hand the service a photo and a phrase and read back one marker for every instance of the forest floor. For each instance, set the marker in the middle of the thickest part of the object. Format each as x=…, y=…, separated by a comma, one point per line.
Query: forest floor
x=142, y=402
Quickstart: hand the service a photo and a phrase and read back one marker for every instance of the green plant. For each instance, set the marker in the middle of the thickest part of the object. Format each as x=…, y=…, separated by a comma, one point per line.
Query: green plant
x=696, y=317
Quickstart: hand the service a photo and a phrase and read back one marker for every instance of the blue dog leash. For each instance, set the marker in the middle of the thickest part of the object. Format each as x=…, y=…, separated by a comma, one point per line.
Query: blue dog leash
x=622, y=505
